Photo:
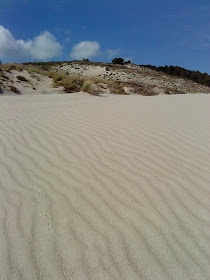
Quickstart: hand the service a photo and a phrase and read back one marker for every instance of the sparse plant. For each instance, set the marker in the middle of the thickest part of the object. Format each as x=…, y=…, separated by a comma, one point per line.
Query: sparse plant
x=14, y=89
x=86, y=87
x=3, y=76
x=21, y=78
x=12, y=66
x=72, y=84
x=169, y=90
x=59, y=77
x=51, y=74
x=117, y=88
x=32, y=69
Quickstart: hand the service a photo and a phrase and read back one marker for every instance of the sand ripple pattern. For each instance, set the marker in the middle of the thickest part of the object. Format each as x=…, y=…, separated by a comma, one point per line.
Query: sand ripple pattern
x=104, y=188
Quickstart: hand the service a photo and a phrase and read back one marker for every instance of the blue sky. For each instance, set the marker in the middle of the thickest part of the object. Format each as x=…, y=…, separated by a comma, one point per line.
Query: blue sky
x=150, y=32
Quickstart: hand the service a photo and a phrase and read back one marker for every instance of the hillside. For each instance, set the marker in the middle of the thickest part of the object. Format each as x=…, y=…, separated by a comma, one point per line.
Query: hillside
x=196, y=76
x=93, y=77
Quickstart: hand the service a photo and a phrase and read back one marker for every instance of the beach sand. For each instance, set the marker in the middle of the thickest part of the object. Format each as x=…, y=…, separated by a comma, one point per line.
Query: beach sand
x=104, y=187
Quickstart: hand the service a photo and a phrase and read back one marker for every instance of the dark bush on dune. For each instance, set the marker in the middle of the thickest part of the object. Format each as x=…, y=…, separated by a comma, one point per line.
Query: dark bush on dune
x=118, y=61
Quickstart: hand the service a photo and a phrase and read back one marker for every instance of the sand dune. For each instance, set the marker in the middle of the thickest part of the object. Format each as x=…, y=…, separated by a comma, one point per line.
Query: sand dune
x=104, y=188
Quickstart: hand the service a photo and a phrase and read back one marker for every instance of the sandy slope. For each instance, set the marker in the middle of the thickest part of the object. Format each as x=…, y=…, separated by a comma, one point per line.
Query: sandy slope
x=150, y=80
x=111, y=187
x=35, y=84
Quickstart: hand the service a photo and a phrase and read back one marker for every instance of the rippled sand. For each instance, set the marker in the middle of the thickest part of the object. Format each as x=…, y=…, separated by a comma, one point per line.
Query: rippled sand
x=104, y=188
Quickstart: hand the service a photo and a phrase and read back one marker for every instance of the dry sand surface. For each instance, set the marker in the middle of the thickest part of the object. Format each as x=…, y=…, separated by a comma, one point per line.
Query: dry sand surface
x=104, y=188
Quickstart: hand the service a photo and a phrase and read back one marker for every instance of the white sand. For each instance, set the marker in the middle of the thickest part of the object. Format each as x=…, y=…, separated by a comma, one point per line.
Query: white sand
x=104, y=188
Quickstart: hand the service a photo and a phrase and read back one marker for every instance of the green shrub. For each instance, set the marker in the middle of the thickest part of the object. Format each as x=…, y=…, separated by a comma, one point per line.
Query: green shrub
x=118, y=61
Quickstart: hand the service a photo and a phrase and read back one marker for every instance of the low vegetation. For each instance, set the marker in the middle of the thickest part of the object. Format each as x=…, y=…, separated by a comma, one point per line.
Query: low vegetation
x=20, y=67
x=14, y=89
x=32, y=69
x=117, y=88
x=3, y=77
x=118, y=60
x=76, y=84
x=44, y=66
x=22, y=79
x=196, y=76
x=70, y=83
x=110, y=83
x=86, y=87
x=12, y=66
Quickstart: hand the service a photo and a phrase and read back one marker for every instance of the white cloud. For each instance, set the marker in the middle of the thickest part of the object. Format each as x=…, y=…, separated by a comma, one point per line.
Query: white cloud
x=45, y=46
x=41, y=47
x=112, y=53
x=85, y=49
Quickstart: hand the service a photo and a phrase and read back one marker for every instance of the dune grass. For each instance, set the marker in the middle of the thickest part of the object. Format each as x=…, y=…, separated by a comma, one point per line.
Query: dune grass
x=70, y=83
x=76, y=84
x=20, y=67
x=12, y=66
x=87, y=87
x=32, y=69
x=73, y=83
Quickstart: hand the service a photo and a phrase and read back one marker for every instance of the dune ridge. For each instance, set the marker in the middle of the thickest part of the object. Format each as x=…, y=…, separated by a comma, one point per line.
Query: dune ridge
x=104, y=187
